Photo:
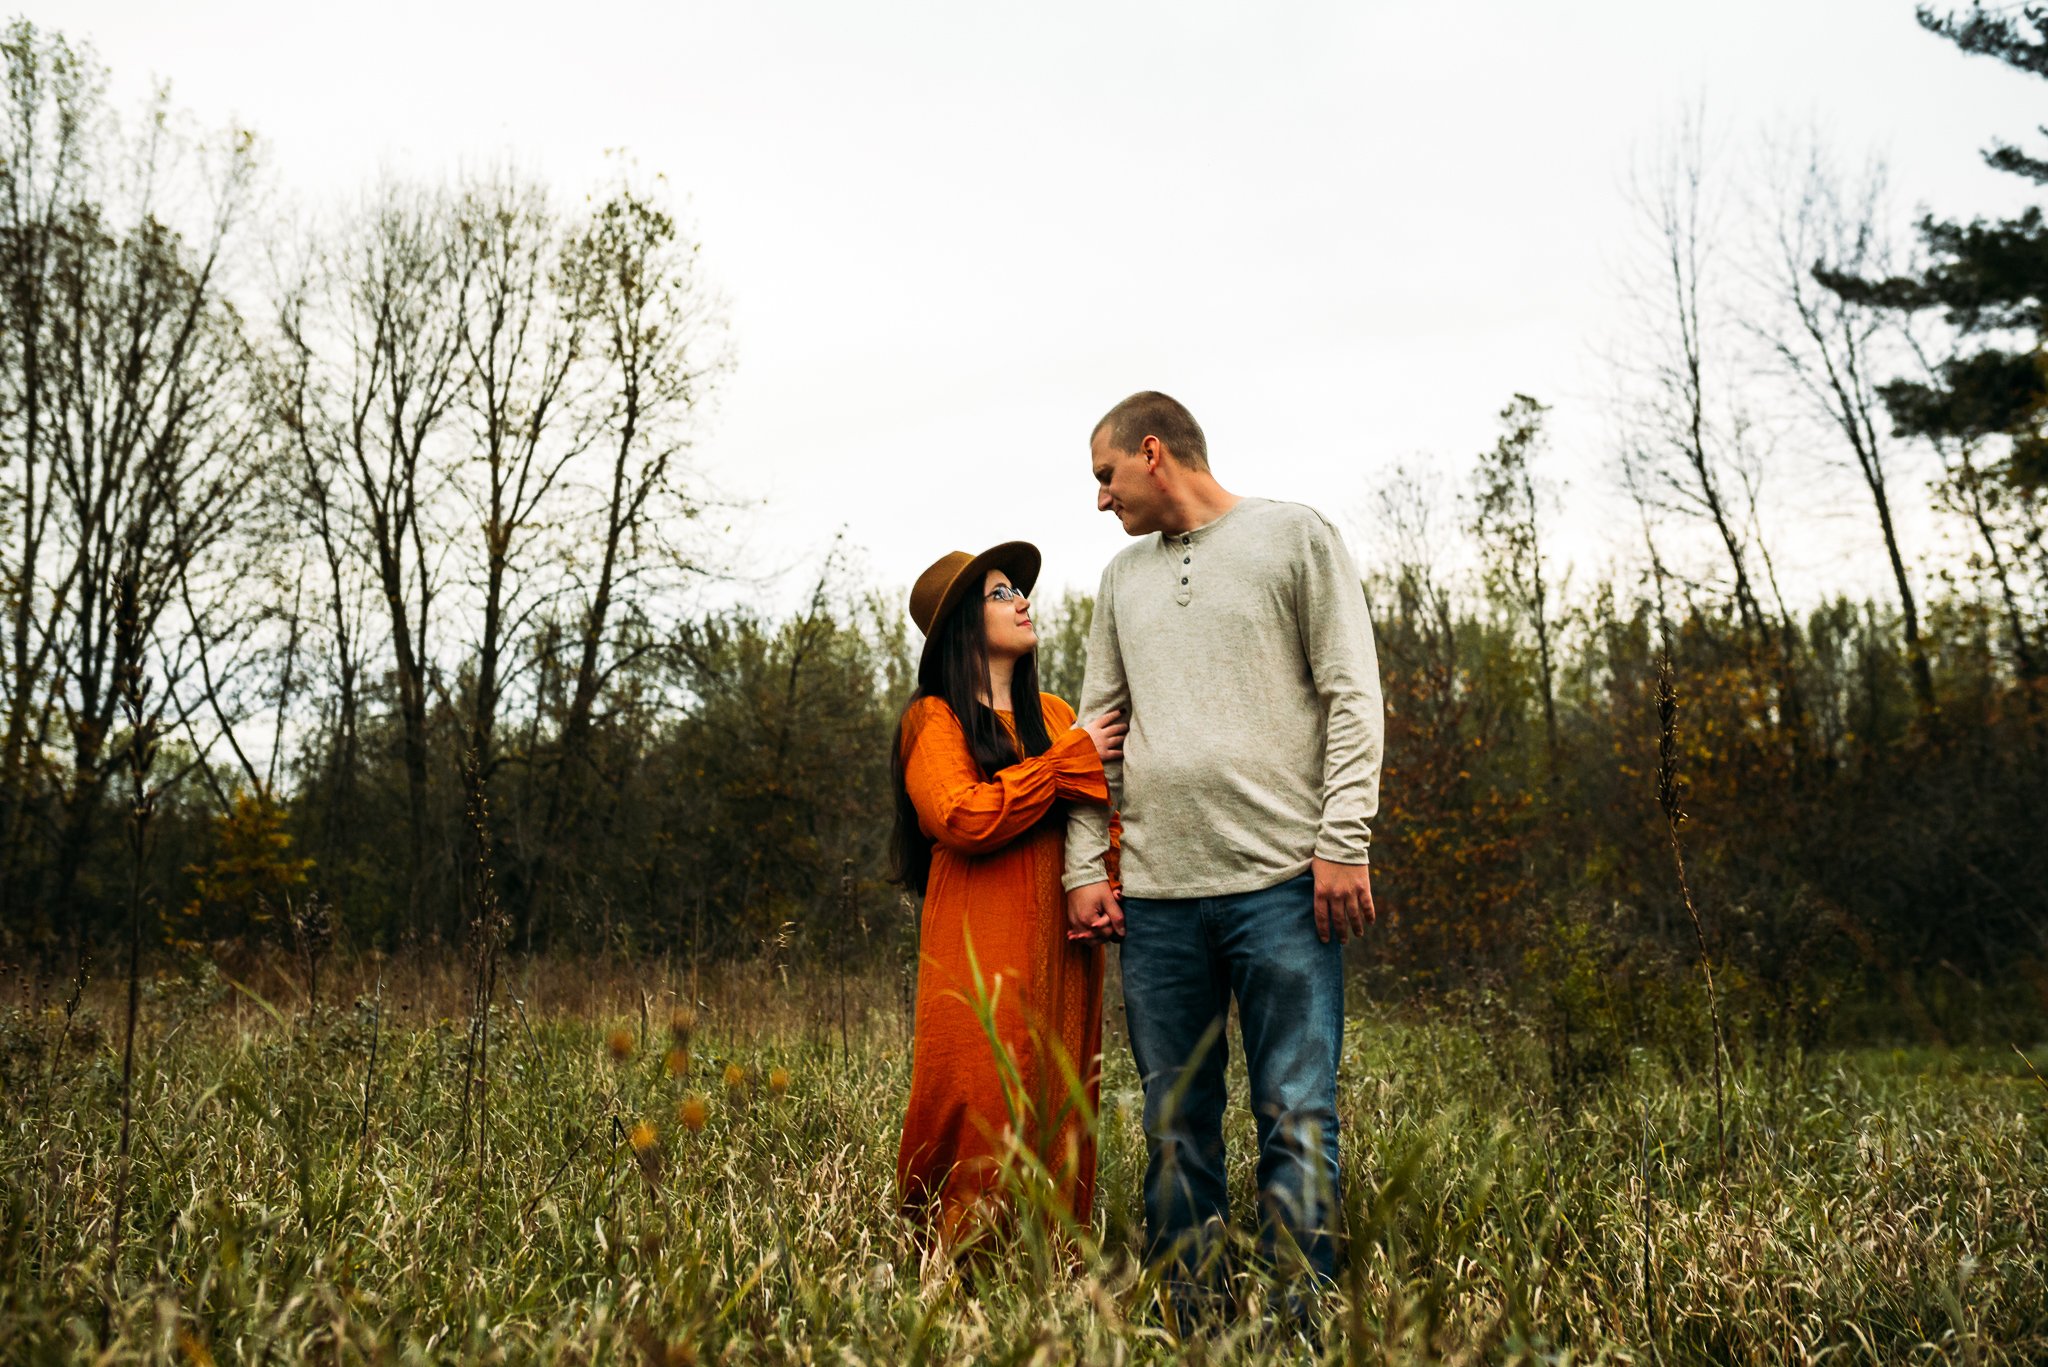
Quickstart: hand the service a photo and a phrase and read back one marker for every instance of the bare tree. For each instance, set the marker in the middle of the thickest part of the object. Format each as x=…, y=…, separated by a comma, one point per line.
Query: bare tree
x=52, y=109
x=1692, y=434
x=522, y=341
x=1507, y=521
x=151, y=437
x=322, y=501
x=656, y=341
x=1985, y=501
x=522, y=344
x=1833, y=348
x=1636, y=465
x=378, y=337
x=1688, y=422
x=1408, y=512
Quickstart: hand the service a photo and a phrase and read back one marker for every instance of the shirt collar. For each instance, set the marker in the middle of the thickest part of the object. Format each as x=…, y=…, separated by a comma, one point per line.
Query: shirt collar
x=1194, y=535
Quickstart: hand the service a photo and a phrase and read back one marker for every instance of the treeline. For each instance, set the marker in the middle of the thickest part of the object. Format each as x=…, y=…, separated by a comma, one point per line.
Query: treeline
x=338, y=559
x=1849, y=787
x=352, y=580
x=1863, y=864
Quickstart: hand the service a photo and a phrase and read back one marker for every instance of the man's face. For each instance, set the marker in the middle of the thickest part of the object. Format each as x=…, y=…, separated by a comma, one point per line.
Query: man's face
x=1124, y=485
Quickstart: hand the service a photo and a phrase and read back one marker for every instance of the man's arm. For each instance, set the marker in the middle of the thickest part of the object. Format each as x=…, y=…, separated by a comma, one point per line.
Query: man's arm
x=1336, y=637
x=1092, y=911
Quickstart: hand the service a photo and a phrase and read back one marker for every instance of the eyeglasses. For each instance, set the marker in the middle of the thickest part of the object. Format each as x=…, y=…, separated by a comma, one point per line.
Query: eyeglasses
x=1004, y=593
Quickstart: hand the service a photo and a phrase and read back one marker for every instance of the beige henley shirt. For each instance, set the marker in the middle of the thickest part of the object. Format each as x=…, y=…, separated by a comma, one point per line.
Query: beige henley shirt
x=1242, y=656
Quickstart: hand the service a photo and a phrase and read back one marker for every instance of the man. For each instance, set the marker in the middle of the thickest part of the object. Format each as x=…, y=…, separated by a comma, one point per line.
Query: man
x=1233, y=636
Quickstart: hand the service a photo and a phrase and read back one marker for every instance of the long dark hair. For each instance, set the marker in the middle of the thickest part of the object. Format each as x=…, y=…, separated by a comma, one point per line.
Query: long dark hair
x=955, y=671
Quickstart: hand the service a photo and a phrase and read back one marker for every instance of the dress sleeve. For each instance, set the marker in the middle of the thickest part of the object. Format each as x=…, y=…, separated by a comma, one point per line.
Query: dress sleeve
x=1085, y=783
x=971, y=815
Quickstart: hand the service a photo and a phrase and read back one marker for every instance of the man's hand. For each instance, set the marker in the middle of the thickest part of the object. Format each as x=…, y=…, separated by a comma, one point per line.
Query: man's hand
x=1343, y=900
x=1094, y=914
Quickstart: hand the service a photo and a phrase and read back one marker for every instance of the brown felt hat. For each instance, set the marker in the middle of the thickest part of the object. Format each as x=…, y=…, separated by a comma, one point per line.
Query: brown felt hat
x=956, y=573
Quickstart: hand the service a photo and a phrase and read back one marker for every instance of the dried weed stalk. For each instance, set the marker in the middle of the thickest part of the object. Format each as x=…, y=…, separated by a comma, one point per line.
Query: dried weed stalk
x=1674, y=816
x=487, y=930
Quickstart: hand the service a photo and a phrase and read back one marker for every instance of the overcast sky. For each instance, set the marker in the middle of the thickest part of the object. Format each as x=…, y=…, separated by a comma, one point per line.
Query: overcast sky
x=952, y=234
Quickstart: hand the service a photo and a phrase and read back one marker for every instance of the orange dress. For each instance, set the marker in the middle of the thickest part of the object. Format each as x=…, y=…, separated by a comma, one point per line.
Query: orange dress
x=994, y=909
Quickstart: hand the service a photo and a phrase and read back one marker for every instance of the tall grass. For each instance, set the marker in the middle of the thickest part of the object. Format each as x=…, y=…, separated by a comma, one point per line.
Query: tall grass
x=1890, y=1208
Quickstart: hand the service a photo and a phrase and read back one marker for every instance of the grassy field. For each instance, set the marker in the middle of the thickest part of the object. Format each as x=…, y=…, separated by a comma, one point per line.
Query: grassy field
x=1876, y=1207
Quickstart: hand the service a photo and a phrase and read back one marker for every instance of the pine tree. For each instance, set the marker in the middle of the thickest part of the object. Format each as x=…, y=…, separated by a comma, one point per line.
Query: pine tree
x=1990, y=277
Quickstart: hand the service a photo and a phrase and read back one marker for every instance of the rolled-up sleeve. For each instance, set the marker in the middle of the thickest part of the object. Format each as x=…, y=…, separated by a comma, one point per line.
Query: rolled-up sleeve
x=1090, y=839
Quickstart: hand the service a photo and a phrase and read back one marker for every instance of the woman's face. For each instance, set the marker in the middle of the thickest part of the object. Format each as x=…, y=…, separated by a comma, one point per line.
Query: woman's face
x=1006, y=618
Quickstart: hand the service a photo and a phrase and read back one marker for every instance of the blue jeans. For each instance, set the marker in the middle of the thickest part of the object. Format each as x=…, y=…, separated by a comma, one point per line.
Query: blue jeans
x=1183, y=960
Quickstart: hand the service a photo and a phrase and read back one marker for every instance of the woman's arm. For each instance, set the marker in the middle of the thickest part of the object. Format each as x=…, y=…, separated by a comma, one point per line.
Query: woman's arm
x=1084, y=784
x=971, y=815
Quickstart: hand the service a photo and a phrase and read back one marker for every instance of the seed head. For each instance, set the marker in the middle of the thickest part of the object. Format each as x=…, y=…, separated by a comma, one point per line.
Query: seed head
x=1669, y=784
x=778, y=1080
x=619, y=1044
x=646, y=1152
x=692, y=1112
x=735, y=1076
x=677, y=1061
x=681, y=1023
x=679, y=1354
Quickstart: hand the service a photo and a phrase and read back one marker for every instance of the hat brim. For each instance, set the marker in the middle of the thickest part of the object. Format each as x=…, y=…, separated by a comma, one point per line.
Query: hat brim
x=1018, y=559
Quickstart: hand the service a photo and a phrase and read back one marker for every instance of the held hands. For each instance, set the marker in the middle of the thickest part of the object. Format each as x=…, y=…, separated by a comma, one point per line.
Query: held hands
x=1343, y=900
x=1107, y=733
x=1094, y=914
x=1343, y=906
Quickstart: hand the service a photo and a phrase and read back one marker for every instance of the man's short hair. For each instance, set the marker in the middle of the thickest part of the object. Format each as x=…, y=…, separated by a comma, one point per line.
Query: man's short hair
x=1152, y=414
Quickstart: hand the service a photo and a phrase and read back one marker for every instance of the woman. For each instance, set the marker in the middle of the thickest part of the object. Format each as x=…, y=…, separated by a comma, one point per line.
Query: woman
x=985, y=765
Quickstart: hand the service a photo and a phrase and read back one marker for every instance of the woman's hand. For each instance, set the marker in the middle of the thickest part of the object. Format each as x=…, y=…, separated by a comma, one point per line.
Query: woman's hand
x=1094, y=914
x=1108, y=734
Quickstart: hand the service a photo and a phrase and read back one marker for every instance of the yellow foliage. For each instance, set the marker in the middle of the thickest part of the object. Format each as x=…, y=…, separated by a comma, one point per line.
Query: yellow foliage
x=253, y=870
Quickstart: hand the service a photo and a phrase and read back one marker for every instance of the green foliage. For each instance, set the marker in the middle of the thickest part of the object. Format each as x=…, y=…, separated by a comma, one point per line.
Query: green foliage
x=1063, y=643
x=779, y=770
x=1506, y=511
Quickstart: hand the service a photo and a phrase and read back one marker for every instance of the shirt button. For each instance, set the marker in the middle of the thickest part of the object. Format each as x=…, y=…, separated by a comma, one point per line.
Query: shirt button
x=1187, y=559
x=1183, y=579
